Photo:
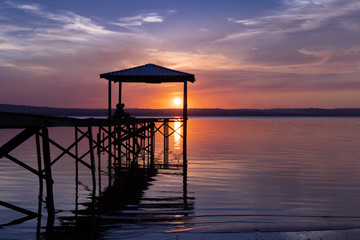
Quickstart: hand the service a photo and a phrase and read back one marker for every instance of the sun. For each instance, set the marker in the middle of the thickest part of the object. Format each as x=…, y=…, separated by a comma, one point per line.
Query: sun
x=177, y=101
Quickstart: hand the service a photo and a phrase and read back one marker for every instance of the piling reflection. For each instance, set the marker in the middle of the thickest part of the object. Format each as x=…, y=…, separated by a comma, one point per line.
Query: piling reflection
x=123, y=206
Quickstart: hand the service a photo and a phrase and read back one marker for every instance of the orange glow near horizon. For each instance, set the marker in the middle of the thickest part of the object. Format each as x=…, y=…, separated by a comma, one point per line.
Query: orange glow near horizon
x=162, y=96
x=159, y=97
x=154, y=96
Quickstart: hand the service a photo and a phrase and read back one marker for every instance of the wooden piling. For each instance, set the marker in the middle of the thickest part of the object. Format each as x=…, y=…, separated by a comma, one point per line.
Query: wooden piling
x=92, y=160
x=109, y=154
x=185, y=118
x=48, y=177
x=76, y=159
x=38, y=153
x=152, y=148
x=98, y=140
x=40, y=196
x=166, y=142
x=119, y=132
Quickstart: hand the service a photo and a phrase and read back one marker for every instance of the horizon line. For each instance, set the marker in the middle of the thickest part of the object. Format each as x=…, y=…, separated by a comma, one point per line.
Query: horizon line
x=196, y=108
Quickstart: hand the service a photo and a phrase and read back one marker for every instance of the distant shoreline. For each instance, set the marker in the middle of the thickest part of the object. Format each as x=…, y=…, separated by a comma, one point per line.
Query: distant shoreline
x=192, y=112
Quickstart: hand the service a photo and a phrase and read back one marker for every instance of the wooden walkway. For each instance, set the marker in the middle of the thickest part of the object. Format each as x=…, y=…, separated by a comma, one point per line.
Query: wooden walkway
x=18, y=120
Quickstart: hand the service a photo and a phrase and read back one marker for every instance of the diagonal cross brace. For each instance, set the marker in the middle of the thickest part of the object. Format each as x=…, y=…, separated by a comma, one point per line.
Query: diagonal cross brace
x=134, y=134
x=69, y=153
x=17, y=140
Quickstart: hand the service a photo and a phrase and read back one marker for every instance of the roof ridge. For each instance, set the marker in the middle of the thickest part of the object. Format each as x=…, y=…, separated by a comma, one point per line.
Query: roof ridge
x=147, y=71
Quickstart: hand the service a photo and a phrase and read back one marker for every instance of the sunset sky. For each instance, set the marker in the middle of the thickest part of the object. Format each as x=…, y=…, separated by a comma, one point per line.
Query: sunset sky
x=244, y=54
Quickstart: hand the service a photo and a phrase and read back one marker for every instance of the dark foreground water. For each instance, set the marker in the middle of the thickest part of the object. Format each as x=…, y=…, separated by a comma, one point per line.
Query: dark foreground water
x=270, y=178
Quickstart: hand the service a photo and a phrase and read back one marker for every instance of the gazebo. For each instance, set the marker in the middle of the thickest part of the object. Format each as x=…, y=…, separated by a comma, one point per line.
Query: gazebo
x=151, y=73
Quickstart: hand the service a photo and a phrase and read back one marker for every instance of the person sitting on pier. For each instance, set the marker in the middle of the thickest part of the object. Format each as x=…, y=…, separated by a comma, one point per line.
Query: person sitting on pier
x=119, y=112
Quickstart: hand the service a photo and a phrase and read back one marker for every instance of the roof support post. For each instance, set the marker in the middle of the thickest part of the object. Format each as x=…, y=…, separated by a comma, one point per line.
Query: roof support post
x=109, y=102
x=120, y=92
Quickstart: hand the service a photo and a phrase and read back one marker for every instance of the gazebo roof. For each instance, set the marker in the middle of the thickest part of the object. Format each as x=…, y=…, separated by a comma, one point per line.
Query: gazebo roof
x=149, y=73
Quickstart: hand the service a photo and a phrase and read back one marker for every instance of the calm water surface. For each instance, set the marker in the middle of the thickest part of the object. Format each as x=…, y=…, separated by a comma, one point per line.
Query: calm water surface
x=247, y=177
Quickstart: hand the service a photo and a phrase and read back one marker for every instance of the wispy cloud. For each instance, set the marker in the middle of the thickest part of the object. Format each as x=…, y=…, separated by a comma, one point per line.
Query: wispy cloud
x=304, y=15
x=244, y=21
x=9, y=46
x=70, y=20
x=188, y=60
x=139, y=20
x=204, y=30
x=62, y=32
x=302, y=38
x=29, y=7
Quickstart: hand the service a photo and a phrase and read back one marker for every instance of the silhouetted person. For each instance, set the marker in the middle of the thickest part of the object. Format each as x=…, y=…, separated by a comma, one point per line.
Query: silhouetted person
x=119, y=112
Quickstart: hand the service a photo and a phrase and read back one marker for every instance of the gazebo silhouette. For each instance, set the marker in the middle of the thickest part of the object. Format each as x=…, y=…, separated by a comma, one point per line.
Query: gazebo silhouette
x=154, y=74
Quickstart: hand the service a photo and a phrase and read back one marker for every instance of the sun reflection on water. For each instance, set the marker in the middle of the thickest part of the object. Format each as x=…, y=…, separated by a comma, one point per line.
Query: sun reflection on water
x=177, y=135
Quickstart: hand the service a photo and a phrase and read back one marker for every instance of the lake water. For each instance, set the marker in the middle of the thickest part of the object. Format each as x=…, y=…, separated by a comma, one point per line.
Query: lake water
x=248, y=178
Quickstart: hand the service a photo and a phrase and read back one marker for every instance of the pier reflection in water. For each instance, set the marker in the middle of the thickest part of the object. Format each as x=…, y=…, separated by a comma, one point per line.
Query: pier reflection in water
x=127, y=209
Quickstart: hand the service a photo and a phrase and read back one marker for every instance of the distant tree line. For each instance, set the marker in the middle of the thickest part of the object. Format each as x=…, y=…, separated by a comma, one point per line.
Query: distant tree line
x=201, y=112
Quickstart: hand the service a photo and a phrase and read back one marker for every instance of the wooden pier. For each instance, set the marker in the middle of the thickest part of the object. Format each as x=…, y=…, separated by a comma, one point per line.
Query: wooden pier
x=128, y=143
